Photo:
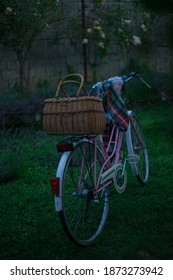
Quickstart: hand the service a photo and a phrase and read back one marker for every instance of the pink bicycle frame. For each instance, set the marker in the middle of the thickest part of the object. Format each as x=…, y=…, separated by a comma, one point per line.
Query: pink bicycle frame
x=115, y=140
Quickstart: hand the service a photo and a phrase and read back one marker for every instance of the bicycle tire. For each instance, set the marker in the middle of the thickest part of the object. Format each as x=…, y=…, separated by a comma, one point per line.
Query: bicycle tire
x=136, y=145
x=83, y=215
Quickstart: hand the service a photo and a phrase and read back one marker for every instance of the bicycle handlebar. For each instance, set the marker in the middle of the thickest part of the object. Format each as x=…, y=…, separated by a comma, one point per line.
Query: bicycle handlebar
x=132, y=75
x=126, y=79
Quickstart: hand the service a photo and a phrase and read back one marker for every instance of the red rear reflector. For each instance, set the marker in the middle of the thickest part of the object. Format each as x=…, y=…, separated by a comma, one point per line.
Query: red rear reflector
x=64, y=147
x=55, y=185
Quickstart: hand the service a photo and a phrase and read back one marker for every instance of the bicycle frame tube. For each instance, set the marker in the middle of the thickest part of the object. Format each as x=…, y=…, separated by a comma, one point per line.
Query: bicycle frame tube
x=116, y=152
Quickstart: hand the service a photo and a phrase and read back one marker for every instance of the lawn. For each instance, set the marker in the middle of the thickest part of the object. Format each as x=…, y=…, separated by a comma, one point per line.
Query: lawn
x=139, y=223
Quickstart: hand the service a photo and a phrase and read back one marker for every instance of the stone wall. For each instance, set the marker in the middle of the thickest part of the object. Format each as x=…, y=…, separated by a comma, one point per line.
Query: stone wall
x=49, y=63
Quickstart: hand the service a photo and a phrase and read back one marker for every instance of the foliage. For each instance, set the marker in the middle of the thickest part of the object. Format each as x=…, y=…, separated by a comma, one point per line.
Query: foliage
x=17, y=112
x=21, y=22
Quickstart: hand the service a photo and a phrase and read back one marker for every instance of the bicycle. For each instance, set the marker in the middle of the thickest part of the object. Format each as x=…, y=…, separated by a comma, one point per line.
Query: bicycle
x=87, y=169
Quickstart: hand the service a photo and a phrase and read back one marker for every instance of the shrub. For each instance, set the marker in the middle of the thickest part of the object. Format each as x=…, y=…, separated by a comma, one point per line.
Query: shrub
x=20, y=111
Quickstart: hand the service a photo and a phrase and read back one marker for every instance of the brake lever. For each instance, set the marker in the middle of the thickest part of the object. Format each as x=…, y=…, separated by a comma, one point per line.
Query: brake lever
x=143, y=82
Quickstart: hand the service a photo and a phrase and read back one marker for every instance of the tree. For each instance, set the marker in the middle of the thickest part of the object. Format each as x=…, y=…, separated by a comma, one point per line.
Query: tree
x=21, y=22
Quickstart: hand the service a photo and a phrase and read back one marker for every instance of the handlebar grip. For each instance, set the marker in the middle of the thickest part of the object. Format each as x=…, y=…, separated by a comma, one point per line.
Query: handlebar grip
x=143, y=82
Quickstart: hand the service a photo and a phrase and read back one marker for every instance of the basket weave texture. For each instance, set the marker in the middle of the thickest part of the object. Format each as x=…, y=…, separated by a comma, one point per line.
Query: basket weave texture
x=74, y=115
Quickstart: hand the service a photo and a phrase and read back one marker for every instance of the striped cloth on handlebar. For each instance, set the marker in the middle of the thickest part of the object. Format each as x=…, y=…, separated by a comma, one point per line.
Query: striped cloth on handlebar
x=115, y=108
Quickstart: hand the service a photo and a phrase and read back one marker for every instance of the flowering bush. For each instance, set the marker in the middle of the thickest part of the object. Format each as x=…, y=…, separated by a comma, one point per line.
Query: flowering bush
x=116, y=22
x=109, y=22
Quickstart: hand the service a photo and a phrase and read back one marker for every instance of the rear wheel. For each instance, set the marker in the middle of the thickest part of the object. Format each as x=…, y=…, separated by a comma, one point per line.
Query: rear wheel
x=137, y=150
x=83, y=214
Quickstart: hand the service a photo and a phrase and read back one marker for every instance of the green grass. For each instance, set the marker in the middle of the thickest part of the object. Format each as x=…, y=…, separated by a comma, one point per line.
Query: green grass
x=139, y=223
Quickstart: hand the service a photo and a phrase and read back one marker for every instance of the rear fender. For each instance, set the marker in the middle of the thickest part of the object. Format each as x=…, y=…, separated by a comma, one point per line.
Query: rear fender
x=59, y=174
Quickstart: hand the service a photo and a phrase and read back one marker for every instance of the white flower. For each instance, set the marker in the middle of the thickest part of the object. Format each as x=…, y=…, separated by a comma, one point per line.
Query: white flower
x=89, y=30
x=101, y=45
x=120, y=30
x=85, y=41
x=143, y=27
x=136, y=40
x=102, y=34
x=97, y=27
x=8, y=11
x=128, y=21
x=96, y=22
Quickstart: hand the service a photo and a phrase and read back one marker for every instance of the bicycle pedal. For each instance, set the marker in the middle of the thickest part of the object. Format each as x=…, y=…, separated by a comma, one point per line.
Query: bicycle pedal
x=133, y=158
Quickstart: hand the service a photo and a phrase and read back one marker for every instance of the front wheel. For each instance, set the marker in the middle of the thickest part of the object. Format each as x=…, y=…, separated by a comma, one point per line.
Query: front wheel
x=83, y=214
x=137, y=150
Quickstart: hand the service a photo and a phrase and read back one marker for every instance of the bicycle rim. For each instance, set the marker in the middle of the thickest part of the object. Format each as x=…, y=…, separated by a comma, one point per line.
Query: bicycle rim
x=83, y=215
x=137, y=146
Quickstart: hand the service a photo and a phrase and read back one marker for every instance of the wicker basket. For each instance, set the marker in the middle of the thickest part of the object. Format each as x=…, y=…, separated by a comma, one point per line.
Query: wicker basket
x=73, y=115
